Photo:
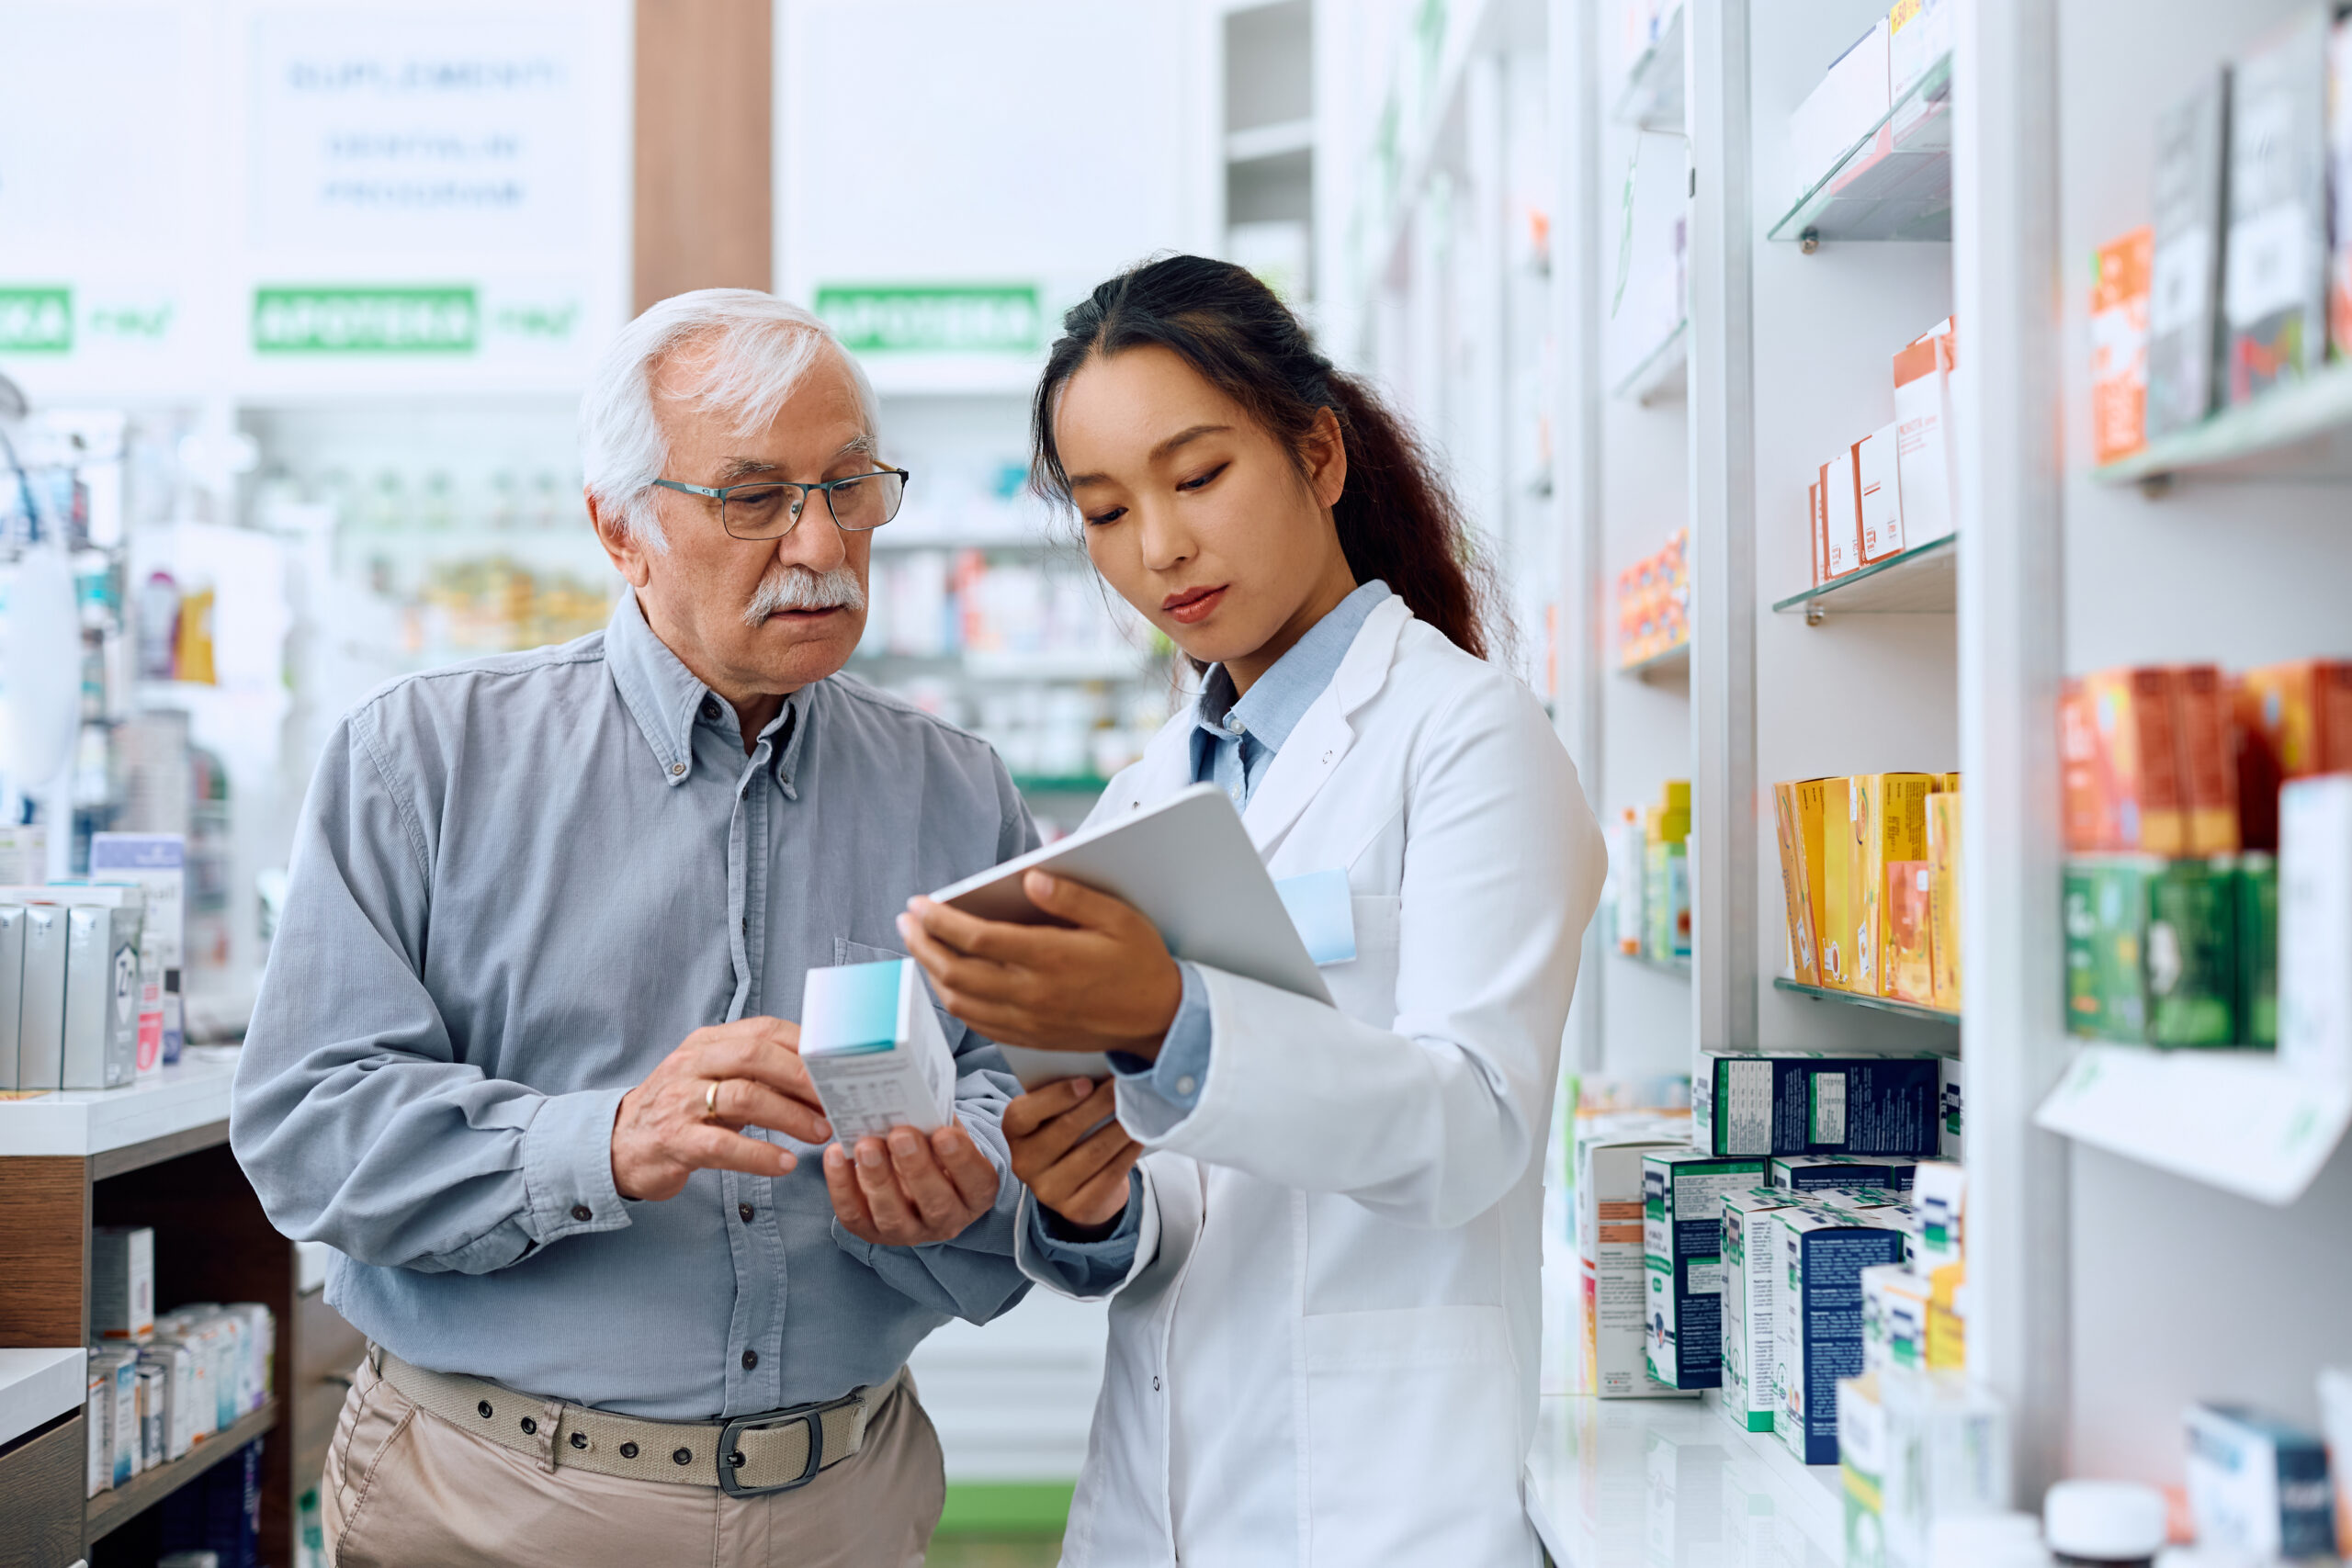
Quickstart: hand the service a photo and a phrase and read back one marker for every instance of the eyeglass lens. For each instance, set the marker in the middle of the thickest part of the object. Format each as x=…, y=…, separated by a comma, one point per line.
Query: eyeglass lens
x=764, y=512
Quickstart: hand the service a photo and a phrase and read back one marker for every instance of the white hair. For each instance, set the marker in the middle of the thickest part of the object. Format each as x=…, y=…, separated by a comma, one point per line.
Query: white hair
x=744, y=352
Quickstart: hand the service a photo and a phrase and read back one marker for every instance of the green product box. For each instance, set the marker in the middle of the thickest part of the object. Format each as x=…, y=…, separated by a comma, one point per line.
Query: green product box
x=1682, y=1265
x=2257, y=905
x=2152, y=951
x=1665, y=901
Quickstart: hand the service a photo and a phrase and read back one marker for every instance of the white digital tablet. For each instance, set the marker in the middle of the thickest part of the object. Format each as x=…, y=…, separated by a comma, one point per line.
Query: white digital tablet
x=1188, y=864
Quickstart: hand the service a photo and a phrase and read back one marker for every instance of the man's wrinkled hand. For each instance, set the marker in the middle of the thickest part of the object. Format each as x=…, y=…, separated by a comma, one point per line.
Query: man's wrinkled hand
x=677, y=1122
x=911, y=1188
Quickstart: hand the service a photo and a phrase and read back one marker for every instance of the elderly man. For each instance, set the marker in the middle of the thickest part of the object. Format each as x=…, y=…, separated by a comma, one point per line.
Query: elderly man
x=522, y=1055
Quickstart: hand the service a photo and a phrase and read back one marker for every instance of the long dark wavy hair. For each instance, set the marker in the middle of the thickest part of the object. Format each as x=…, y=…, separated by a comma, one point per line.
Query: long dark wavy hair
x=1396, y=519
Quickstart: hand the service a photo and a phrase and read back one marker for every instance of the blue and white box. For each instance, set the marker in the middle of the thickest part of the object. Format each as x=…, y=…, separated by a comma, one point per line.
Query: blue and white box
x=1810, y=1173
x=875, y=1050
x=2258, y=1484
x=1803, y=1102
x=1818, y=1318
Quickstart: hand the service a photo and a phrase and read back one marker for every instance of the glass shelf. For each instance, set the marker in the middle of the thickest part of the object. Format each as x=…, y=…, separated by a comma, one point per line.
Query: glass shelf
x=1895, y=184
x=1673, y=663
x=1664, y=372
x=1922, y=581
x=1652, y=99
x=2298, y=431
x=1678, y=967
x=1856, y=998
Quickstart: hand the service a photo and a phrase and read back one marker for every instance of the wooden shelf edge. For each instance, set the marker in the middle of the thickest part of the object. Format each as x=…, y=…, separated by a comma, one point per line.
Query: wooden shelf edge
x=155, y=1151
x=108, y=1511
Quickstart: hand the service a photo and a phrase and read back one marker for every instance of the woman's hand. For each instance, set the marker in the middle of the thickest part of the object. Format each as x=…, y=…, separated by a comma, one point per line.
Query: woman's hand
x=1080, y=1175
x=1102, y=982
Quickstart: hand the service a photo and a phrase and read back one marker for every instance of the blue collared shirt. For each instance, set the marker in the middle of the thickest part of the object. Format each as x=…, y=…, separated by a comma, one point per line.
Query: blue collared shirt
x=518, y=884
x=1234, y=741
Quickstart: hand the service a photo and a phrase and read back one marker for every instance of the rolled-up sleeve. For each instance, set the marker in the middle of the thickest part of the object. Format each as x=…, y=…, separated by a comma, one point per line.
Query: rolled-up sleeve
x=352, y=1115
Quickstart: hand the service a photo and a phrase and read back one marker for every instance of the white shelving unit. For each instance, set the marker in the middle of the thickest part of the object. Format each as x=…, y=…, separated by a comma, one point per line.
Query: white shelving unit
x=2093, y=1169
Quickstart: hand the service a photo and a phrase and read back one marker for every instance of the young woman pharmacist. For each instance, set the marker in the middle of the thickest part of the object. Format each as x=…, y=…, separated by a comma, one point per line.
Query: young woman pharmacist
x=1319, y=1226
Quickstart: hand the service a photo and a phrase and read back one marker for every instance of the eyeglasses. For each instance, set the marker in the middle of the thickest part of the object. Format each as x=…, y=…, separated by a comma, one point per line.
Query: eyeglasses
x=769, y=509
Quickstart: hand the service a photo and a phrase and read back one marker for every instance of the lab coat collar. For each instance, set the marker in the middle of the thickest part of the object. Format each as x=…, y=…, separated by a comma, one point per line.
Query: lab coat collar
x=1325, y=733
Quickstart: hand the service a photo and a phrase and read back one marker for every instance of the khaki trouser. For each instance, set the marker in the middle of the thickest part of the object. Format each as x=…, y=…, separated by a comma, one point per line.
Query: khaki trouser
x=405, y=1489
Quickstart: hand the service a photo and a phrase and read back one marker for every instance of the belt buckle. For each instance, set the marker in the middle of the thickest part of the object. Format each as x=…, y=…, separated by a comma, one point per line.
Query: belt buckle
x=767, y=1421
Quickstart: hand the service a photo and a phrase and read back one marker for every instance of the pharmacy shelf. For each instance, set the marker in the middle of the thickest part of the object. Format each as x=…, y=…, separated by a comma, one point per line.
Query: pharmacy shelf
x=1678, y=967
x=2235, y=1119
x=1922, y=581
x=1673, y=664
x=2300, y=432
x=1894, y=184
x=170, y=1113
x=37, y=1386
x=1664, y=374
x=1088, y=664
x=111, y=1510
x=1672, y=1483
x=1857, y=999
x=1652, y=97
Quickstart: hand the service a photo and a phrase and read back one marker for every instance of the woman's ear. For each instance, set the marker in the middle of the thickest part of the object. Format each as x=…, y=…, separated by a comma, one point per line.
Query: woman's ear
x=1325, y=457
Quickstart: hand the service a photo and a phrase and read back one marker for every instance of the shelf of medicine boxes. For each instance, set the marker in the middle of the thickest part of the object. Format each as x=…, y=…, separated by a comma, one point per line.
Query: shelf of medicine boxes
x=1668, y=664
x=1921, y=581
x=1652, y=97
x=1466, y=27
x=1663, y=376
x=109, y=1510
x=1894, y=184
x=1863, y=1000
x=2301, y=431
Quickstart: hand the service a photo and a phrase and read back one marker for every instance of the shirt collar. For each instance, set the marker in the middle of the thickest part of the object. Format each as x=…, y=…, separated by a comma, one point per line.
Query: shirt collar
x=666, y=699
x=1272, y=706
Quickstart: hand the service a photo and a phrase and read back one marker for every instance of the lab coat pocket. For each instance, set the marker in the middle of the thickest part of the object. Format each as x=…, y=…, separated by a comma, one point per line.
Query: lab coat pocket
x=1409, y=1427
x=1364, y=988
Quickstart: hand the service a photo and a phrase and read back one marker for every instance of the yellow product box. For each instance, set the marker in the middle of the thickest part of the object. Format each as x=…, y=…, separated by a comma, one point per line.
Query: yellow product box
x=1886, y=820
x=1839, y=916
x=1796, y=806
x=1948, y=1319
x=1944, y=894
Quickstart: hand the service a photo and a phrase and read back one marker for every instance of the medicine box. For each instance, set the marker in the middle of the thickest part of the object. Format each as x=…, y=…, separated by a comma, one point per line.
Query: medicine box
x=1918, y=35
x=114, y=1376
x=1879, y=494
x=2258, y=920
x=1818, y=1319
x=875, y=1050
x=1806, y=1104
x=1939, y=1217
x=2119, y=346
x=1886, y=821
x=1894, y=1318
x=2119, y=763
x=1805, y=1173
x=12, y=988
x=1909, y=954
x=2185, y=260
x=177, y=1368
x=1748, y=1298
x=122, y=1281
x=2258, y=1484
x=2314, y=900
x=2274, y=288
x=2209, y=774
x=1682, y=1229
x=1609, y=1255
x=101, y=1047
x=40, y=1026
x=1847, y=103
x=1841, y=517
x=1943, y=895
x=2152, y=950
x=157, y=862
x=1912, y=1448
x=1796, y=810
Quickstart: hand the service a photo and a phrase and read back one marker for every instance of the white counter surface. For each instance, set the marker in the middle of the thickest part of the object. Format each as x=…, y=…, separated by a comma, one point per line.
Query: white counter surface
x=91, y=1121
x=37, y=1386
x=1671, y=1484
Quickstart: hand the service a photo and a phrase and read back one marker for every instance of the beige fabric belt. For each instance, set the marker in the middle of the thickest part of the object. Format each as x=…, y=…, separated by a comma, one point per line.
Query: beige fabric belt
x=767, y=1453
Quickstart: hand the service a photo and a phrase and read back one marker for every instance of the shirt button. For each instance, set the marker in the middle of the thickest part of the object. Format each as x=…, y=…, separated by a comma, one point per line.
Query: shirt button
x=676, y=768
x=1186, y=1084
x=582, y=1211
x=746, y=1210
x=751, y=1360
x=1155, y=1385
x=1233, y=722
x=710, y=710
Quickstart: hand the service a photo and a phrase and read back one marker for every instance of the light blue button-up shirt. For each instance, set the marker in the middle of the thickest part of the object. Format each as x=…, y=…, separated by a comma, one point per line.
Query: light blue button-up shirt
x=518, y=884
x=1234, y=741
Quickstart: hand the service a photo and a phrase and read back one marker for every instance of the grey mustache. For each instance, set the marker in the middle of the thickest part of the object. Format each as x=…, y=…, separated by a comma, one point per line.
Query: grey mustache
x=797, y=588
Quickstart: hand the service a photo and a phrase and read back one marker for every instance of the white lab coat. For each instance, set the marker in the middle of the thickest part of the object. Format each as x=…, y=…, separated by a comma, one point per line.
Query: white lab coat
x=1326, y=1352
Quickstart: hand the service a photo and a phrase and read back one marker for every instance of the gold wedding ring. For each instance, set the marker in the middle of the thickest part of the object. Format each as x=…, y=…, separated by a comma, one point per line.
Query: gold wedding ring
x=710, y=1100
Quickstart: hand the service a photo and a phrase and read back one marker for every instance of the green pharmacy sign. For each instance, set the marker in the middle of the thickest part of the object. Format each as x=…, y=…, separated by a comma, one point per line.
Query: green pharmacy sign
x=36, y=320
x=933, y=319
x=408, y=320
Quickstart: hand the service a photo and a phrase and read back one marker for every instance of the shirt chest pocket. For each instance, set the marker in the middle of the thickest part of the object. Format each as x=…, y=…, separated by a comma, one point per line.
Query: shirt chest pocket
x=1364, y=988
x=848, y=952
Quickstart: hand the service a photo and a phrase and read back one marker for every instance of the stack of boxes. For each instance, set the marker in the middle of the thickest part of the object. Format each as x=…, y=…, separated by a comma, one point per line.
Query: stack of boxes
x=1650, y=869
x=89, y=972
x=2237, y=286
x=160, y=1384
x=1869, y=873
x=2175, y=779
x=1654, y=603
x=1896, y=489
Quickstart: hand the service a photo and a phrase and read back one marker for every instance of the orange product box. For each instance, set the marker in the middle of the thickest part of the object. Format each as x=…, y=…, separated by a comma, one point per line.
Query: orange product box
x=1813, y=528
x=1943, y=895
x=2208, y=780
x=1835, y=920
x=1879, y=494
x=2293, y=720
x=2119, y=346
x=1910, y=940
x=1887, y=814
x=1797, y=807
x=2120, y=760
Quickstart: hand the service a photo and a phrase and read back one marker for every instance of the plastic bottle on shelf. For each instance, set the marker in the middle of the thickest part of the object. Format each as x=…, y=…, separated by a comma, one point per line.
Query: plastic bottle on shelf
x=2104, y=1524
